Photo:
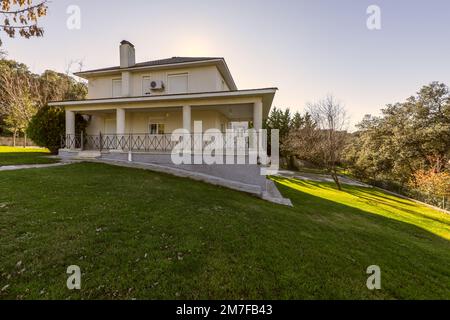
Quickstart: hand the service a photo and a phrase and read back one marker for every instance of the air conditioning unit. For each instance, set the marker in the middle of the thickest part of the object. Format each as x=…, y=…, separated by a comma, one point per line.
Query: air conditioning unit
x=156, y=85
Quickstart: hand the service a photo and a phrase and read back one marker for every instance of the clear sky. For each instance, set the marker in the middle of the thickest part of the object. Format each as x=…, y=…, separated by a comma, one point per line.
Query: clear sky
x=306, y=48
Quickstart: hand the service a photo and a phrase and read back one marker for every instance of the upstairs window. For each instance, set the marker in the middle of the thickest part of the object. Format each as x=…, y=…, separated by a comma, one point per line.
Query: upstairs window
x=177, y=83
x=117, y=88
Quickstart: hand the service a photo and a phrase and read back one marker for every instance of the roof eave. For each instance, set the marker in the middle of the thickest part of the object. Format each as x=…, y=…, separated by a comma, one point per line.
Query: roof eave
x=218, y=62
x=268, y=93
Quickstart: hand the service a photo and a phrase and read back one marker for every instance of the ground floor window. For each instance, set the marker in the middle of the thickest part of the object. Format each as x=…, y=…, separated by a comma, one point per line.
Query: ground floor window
x=156, y=128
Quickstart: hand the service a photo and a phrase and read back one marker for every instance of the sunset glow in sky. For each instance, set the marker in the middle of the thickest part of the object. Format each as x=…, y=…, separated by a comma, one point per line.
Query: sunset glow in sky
x=306, y=48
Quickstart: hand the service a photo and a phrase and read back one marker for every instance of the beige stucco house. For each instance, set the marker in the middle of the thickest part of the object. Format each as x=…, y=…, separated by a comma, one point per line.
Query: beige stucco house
x=157, y=97
x=133, y=108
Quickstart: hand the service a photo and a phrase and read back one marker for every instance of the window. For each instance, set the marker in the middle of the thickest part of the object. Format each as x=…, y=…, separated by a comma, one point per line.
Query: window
x=117, y=88
x=146, y=86
x=156, y=128
x=178, y=83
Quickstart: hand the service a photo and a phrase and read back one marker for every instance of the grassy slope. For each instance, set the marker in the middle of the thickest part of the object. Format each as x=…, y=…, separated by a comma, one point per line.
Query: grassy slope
x=16, y=156
x=138, y=234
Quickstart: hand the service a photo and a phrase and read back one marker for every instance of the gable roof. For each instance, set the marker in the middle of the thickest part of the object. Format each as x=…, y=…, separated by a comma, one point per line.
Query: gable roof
x=173, y=62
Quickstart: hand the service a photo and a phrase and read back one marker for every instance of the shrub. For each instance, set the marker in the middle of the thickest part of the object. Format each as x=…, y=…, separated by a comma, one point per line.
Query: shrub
x=49, y=125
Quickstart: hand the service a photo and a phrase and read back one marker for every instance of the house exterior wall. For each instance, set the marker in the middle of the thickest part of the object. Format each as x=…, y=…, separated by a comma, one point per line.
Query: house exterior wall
x=138, y=122
x=200, y=79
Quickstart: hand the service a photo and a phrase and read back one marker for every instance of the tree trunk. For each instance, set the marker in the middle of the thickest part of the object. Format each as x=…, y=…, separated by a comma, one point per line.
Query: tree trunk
x=336, y=179
x=14, y=137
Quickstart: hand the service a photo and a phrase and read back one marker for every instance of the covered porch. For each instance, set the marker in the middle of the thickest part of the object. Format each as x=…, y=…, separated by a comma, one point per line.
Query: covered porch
x=145, y=124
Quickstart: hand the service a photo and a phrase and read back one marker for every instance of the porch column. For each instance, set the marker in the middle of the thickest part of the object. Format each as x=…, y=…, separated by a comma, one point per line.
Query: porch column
x=257, y=115
x=256, y=151
x=70, y=129
x=187, y=118
x=120, y=121
x=120, y=127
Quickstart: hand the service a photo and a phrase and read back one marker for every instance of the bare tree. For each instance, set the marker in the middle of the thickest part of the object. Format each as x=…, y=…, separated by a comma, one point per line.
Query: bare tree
x=74, y=65
x=21, y=16
x=331, y=120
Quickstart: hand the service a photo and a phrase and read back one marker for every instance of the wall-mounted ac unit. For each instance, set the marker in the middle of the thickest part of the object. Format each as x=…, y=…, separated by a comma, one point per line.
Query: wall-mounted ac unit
x=156, y=85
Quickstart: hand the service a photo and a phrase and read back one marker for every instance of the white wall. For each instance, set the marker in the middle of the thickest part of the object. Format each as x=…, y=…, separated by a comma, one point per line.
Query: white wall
x=137, y=122
x=200, y=79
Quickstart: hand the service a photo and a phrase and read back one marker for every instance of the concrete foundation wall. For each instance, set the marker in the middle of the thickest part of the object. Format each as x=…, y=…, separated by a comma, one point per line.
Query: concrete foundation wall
x=245, y=173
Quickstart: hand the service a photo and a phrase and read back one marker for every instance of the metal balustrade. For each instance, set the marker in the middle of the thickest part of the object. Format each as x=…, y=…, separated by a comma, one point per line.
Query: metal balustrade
x=148, y=142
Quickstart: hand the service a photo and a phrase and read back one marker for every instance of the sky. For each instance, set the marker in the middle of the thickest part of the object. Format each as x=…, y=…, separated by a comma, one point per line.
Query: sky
x=306, y=48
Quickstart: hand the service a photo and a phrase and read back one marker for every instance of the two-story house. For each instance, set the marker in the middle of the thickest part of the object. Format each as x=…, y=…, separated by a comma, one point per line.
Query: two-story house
x=133, y=108
x=157, y=97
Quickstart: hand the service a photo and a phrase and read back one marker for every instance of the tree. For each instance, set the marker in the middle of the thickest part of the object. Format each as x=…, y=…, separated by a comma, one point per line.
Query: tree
x=435, y=186
x=330, y=118
x=302, y=141
x=23, y=93
x=17, y=89
x=59, y=86
x=297, y=121
x=48, y=126
x=21, y=16
x=409, y=136
x=279, y=119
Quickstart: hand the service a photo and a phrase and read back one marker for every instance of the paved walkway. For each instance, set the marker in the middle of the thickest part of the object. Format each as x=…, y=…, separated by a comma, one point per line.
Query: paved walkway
x=32, y=166
x=319, y=178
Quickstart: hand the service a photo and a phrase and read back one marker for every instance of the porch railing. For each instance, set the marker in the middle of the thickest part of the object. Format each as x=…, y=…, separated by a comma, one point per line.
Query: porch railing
x=146, y=142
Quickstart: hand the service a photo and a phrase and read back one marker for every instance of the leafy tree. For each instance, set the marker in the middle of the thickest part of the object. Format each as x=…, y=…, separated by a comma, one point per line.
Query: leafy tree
x=17, y=89
x=297, y=121
x=21, y=16
x=409, y=136
x=48, y=126
x=434, y=186
x=279, y=119
x=23, y=93
x=59, y=86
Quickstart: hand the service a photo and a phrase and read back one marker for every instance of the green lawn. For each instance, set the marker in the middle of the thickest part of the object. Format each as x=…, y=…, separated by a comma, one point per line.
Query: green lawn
x=17, y=156
x=139, y=234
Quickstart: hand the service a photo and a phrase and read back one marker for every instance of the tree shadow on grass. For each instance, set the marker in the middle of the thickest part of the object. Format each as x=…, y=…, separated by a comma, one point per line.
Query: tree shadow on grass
x=388, y=203
x=295, y=186
x=19, y=158
x=415, y=257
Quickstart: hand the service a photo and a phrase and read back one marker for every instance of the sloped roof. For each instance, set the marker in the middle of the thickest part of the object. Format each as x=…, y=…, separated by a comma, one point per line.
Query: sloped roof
x=160, y=62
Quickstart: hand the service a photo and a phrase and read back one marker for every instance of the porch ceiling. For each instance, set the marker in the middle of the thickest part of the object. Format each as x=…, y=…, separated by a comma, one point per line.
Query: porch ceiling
x=236, y=112
x=238, y=100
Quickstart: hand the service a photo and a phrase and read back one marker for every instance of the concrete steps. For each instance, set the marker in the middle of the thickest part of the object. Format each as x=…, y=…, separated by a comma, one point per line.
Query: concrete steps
x=88, y=155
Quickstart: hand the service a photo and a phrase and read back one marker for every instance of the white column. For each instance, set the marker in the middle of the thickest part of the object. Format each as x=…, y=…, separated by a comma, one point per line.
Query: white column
x=256, y=151
x=258, y=115
x=70, y=129
x=120, y=121
x=126, y=84
x=120, y=128
x=187, y=118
